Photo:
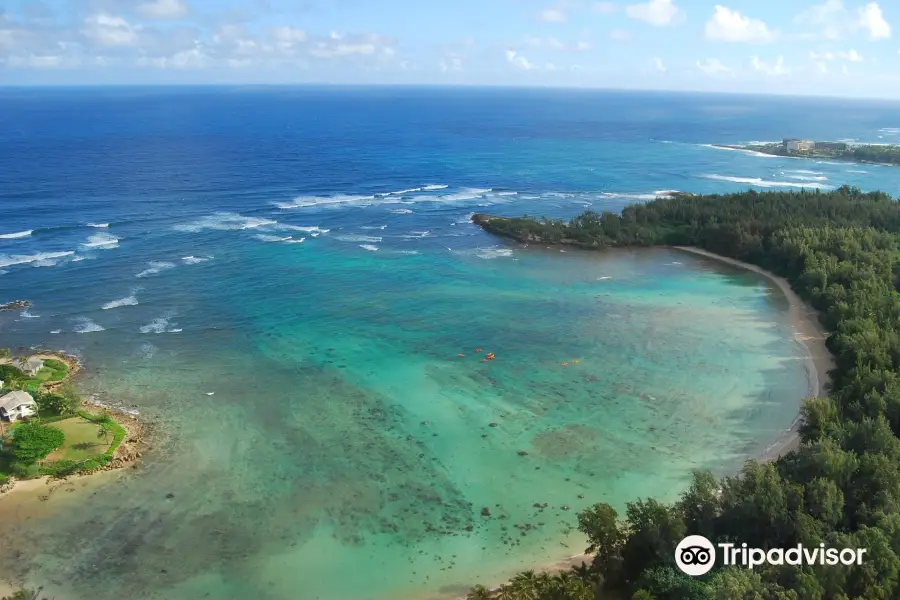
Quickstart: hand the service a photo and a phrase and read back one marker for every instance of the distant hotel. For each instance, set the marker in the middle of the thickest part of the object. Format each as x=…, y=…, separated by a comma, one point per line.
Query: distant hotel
x=795, y=145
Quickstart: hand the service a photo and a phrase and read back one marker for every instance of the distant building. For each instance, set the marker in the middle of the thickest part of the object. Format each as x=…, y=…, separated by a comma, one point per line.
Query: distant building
x=795, y=145
x=30, y=366
x=17, y=405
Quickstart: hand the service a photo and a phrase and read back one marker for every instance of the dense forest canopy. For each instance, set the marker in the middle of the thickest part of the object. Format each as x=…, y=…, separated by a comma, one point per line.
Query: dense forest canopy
x=840, y=252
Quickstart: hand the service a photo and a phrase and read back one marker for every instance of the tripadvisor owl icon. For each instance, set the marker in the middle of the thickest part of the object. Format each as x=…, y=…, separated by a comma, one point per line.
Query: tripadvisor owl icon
x=695, y=555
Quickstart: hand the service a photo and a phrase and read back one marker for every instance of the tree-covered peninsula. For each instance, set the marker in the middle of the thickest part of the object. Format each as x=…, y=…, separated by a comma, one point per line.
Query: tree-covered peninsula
x=883, y=154
x=841, y=487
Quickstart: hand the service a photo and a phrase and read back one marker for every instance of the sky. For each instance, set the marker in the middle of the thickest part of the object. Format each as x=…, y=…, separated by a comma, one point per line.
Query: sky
x=831, y=47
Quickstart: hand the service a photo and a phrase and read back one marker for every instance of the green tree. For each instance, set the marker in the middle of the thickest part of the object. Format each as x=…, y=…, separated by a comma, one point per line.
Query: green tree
x=479, y=592
x=32, y=441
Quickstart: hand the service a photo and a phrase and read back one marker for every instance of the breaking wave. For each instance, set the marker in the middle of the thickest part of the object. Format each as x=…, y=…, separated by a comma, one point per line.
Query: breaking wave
x=369, y=247
x=85, y=325
x=15, y=236
x=98, y=225
x=7, y=260
x=158, y=325
x=129, y=301
x=758, y=182
x=156, y=267
x=224, y=222
x=358, y=238
x=193, y=260
x=101, y=241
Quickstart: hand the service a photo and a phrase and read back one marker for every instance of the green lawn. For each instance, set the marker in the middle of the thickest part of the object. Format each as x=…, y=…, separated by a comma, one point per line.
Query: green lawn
x=81, y=440
x=54, y=370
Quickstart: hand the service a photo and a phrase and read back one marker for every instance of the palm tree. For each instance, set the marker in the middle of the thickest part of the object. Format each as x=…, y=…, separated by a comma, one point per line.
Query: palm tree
x=479, y=592
x=105, y=429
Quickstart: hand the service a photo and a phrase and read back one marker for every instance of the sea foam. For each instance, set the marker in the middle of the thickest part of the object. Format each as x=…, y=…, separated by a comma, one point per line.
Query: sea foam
x=85, y=325
x=224, y=222
x=758, y=182
x=129, y=301
x=7, y=260
x=98, y=225
x=358, y=238
x=193, y=260
x=156, y=267
x=369, y=247
x=15, y=236
x=101, y=241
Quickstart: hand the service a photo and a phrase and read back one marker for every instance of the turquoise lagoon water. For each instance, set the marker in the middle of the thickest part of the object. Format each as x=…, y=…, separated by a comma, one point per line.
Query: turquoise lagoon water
x=317, y=431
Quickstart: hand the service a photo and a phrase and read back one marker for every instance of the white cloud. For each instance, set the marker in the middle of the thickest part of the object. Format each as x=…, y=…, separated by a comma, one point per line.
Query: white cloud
x=872, y=20
x=164, y=9
x=831, y=18
x=518, y=61
x=452, y=64
x=620, y=35
x=850, y=56
x=658, y=64
x=775, y=69
x=288, y=40
x=656, y=12
x=554, y=15
x=605, y=8
x=714, y=67
x=728, y=25
x=552, y=43
x=108, y=30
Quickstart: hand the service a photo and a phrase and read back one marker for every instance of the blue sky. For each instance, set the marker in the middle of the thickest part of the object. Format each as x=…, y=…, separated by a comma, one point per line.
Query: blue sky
x=827, y=47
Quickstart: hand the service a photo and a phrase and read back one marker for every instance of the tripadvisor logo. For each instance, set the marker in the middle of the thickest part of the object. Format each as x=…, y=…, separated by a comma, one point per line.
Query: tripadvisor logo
x=696, y=555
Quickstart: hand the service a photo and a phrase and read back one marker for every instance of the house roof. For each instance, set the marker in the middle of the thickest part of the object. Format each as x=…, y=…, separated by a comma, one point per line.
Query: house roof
x=14, y=399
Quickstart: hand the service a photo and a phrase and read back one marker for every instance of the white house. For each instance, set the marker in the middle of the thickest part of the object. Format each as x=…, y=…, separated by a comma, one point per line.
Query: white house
x=16, y=405
x=30, y=366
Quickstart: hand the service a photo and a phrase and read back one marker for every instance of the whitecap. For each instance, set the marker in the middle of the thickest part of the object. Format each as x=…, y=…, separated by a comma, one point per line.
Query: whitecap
x=369, y=227
x=402, y=211
x=466, y=194
x=369, y=247
x=272, y=238
x=295, y=240
x=224, y=222
x=507, y=193
x=416, y=235
x=98, y=225
x=312, y=229
x=604, y=278
x=431, y=188
x=27, y=315
x=193, y=260
x=758, y=182
x=409, y=191
x=55, y=331
x=15, y=236
x=358, y=238
x=806, y=177
x=127, y=301
x=860, y=171
x=158, y=325
x=464, y=220
x=7, y=260
x=156, y=267
x=47, y=262
x=85, y=325
x=806, y=172
x=630, y=195
x=408, y=252
x=78, y=259
x=101, y=241
x=325, y=201
x=176, y=330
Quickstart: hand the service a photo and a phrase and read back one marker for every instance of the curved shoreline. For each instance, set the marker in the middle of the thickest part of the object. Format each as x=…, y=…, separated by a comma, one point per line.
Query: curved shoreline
x=808, y=331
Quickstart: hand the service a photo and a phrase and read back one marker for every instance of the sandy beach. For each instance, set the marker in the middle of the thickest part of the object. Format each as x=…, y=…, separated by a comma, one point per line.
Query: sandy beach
x=808, y=330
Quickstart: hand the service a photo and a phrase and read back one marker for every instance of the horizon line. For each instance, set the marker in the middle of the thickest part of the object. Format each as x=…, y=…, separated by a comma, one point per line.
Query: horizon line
x=446, y=86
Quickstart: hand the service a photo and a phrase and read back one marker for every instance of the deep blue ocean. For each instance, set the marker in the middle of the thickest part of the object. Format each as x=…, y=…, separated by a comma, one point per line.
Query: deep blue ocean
x=285, y=284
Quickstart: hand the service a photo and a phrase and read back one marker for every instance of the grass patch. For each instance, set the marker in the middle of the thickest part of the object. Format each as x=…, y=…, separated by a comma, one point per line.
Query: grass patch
x=82, y=440
x=53, y=371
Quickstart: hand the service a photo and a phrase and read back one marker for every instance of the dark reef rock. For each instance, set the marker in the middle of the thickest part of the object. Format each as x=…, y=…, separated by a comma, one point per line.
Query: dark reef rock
x=15, y=305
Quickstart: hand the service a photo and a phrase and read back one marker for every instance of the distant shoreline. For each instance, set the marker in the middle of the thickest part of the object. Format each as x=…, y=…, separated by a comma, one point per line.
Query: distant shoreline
x=847, y=155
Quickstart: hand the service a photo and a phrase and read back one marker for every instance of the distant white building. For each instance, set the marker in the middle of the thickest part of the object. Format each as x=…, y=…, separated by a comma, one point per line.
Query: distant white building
x=17, y=405
x=799, y=145
x=30, y=366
